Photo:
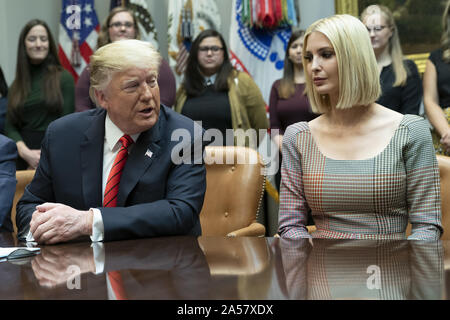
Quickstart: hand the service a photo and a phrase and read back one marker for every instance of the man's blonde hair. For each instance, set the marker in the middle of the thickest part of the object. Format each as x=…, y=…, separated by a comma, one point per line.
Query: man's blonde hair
x=120, y=56
x=359, y=82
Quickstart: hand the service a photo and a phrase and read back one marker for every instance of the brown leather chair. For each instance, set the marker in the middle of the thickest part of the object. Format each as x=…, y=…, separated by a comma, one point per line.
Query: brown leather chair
x=23, y=177
x=444, y=171
x=234, y=191
x=243, y=266
x=235, y=256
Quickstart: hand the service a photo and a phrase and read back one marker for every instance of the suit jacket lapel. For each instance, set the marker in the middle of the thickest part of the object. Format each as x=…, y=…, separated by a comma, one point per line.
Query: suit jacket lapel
x=143, y=154
x=92, y=161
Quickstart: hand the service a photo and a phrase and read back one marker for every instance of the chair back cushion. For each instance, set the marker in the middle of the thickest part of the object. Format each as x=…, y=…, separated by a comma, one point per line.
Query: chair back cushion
x=234, y=187
x=23, y=177
x=444, y=171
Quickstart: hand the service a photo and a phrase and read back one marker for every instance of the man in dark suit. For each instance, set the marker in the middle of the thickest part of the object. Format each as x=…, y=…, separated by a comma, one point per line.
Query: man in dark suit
x=156, y=196
x=8, y=155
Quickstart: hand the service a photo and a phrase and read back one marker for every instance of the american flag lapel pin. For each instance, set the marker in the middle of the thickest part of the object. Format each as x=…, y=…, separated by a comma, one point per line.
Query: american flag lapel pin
x=149, y=153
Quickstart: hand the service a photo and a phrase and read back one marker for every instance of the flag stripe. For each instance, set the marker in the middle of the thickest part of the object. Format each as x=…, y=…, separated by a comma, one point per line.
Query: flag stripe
x=78, y=34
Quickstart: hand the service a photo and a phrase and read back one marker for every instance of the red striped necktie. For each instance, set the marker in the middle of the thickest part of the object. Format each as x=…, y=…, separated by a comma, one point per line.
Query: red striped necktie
x=112, y=186
x=110, y=200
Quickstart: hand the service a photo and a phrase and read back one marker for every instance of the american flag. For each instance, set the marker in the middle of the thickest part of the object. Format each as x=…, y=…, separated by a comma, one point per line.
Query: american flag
x=78, y=33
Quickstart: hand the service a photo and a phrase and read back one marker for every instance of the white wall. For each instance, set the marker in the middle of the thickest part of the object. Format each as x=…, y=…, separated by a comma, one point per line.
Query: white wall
x=14, y=14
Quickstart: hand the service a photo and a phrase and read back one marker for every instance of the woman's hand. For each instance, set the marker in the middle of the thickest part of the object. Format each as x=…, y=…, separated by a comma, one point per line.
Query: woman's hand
x=445, y=141
x=31, y=156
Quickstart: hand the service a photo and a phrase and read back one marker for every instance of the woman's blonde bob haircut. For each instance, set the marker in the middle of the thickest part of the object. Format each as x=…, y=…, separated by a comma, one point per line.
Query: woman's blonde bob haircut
x=120, y=56
x=359, y=83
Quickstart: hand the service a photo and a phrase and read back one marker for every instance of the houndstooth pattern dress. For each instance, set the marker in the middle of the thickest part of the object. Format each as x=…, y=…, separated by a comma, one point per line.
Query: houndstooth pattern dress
x=362, y=199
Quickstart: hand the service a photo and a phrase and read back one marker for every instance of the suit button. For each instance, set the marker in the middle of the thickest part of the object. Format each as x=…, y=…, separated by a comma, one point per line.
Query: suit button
x=226, y=214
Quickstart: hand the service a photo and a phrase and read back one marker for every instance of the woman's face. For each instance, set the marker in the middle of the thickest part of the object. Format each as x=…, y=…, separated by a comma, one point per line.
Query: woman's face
x=121, y=27
x=36, y=44
x=379, y=31
x=210, y=55
x=295, y=51
x=322, y=65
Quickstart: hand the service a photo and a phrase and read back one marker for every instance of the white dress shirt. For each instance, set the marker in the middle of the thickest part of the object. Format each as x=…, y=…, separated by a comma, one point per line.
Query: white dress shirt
x=211, y=78
x=111, y=148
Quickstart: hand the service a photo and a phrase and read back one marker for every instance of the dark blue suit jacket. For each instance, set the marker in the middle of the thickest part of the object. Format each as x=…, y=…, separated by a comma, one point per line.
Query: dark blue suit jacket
x=8, y=155
x=156, y=197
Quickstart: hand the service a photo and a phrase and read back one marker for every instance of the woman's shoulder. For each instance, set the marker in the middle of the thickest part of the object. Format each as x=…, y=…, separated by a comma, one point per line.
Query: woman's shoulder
x=411, y=65
x=436, y=52
x=240, y=75
x=241, y=79
x=296, y=132
x=276, y=83
x=296, y=128
x=436, y=56
x=412, y=121
x=416, y=126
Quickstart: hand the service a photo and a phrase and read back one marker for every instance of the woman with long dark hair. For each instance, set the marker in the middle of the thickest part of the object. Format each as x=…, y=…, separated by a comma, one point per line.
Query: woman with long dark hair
x=41, y=92
x=288, y=101
x=216, y=94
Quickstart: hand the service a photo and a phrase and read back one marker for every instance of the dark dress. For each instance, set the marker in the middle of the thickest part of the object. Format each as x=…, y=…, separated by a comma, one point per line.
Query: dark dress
x=284, y=112
x=443, y=77
x=443, y=86
x=212, y=108
x=34, y=114
x=404, y=99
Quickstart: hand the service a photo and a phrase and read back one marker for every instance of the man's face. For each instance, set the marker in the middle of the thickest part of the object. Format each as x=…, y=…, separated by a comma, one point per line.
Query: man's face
x=132, y=100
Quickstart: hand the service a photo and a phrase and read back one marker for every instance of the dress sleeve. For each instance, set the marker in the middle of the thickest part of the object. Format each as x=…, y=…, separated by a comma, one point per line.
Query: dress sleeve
x=253, y=101
x=68, y=92
x=293, y=212
x=273, y=110
x=423, y=184
x=11, y=131
x=82, y=99
x=167, y=84
x=412, y=92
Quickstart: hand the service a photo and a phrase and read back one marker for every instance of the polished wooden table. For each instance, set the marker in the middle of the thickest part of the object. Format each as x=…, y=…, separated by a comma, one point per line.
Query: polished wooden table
x=218, y=268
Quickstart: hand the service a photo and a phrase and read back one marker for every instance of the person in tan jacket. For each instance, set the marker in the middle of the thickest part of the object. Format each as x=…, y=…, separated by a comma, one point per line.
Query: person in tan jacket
x=219, y=96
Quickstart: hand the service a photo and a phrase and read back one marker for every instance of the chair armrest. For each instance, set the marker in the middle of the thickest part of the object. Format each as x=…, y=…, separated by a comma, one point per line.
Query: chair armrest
x=311, y=229
x=256, y=229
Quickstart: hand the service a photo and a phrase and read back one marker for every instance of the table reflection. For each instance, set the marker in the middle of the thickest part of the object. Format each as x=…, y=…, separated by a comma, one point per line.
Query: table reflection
x=232, y=268
x=160, y=268
x=348, y=269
